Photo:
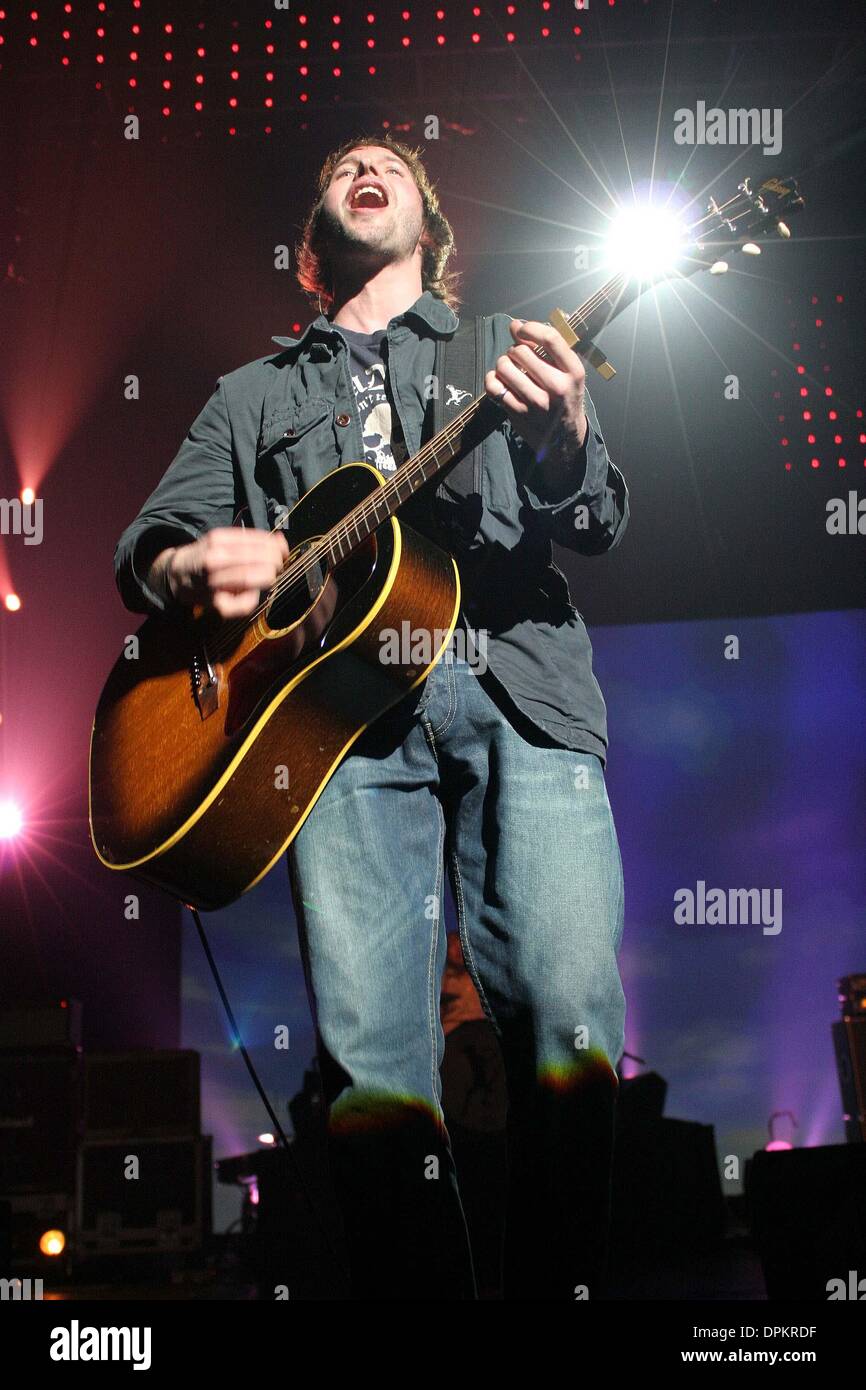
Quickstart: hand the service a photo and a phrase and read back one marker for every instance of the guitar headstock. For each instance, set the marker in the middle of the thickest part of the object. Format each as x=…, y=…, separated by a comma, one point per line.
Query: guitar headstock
x=749, y=213
x=684, y=250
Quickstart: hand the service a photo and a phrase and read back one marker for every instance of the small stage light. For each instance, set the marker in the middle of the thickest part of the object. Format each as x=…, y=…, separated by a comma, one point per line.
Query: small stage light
x=775, y=1142
x=266, y=1138
x=52, y=1242
x=12, y=602
x=645, y=241
x=11, y=820
x=27, y=496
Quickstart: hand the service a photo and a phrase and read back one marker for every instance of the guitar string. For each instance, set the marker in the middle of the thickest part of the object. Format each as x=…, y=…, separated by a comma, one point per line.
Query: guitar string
x=295, y=576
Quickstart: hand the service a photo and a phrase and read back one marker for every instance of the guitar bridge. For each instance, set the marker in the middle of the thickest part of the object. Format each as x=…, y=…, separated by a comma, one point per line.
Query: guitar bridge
x=205, y=685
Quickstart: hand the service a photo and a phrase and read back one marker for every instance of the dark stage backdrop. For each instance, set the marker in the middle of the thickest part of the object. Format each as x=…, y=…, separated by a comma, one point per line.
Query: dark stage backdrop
x=738, y=773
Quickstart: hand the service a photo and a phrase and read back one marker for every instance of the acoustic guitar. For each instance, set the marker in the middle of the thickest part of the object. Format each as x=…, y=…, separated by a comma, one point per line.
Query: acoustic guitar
x=213, y=739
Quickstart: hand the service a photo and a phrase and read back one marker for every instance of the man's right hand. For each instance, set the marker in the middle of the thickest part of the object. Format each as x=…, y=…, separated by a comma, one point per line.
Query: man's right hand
x=225, y=569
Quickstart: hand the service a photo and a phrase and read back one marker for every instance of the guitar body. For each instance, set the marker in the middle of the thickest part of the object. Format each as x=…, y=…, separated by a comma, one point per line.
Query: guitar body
x=212, y=744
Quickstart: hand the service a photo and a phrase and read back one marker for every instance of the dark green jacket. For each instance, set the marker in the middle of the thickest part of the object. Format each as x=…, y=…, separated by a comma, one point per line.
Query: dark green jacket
x=276, y=426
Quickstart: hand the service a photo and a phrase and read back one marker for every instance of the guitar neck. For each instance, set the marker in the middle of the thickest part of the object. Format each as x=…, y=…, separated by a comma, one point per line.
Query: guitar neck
x=746, y=213
x=464, y=433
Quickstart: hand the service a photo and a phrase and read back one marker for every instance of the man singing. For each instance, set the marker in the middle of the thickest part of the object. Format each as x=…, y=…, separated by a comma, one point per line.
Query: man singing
x=490, y=770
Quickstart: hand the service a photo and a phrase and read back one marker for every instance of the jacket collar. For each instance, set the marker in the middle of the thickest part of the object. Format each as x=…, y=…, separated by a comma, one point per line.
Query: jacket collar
x=434, y=312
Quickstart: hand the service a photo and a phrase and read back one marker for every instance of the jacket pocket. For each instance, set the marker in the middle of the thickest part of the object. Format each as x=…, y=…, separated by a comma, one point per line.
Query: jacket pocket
x=296, y=448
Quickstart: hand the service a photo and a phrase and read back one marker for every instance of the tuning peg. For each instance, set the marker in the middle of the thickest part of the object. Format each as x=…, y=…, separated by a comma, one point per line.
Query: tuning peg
x=719, y=268
x=750, y=249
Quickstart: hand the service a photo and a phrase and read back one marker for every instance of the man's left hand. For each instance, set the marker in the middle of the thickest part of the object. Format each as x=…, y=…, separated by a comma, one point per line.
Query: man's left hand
x=544, y=400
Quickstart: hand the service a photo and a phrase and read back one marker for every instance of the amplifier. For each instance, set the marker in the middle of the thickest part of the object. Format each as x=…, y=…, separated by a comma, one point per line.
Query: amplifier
x=160, y=1203
x=807, y=1210
x=149, y=1093
x=40, y=1104
x=55, y=1023
x=30, y=1217
x=849, y=1042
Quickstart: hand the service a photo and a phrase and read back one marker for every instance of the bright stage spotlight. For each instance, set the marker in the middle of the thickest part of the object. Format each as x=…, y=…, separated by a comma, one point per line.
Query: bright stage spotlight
x=645, y=241
x=12, y=603
x=52, y=1242
x=11, y=820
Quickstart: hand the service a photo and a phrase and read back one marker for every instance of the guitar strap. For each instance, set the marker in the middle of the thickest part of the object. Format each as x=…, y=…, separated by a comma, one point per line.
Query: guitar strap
x=459, y=378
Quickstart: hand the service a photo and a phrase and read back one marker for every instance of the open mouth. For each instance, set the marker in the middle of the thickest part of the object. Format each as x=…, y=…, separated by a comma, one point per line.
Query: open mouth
x=368, y=195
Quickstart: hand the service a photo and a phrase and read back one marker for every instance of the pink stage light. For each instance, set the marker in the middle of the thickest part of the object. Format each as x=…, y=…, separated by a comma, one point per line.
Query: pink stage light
x=11, y=820
x=776, y=1144
x=251, y=1189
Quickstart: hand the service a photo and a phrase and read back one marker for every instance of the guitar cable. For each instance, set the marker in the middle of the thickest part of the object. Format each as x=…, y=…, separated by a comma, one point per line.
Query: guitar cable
x=239, y=1043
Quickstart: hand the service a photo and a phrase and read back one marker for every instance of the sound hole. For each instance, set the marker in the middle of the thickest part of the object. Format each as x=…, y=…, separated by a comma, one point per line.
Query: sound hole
x=276, y=660
x=292, y=602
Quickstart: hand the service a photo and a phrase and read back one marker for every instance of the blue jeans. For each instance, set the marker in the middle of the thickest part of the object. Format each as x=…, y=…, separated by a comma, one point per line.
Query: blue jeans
x=454, y=777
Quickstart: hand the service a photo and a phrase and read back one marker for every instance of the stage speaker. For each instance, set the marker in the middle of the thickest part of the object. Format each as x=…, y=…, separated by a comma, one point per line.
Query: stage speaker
x=808, y=1214
x=40, y=1104
x=849, y=1042
x=291, y=1218
x=149, y=1093
x=667, y=1194
x=160, y=1203
x=641, y=1098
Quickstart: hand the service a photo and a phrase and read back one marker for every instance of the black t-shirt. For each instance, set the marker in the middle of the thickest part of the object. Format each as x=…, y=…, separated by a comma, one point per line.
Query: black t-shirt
x=384, y=446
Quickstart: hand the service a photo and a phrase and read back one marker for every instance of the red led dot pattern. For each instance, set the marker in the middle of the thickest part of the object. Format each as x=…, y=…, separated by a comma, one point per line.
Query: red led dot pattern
x=823, y=440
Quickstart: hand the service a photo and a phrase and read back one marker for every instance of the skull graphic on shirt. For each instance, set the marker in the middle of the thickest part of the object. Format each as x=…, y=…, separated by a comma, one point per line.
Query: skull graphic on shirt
x=377, y=438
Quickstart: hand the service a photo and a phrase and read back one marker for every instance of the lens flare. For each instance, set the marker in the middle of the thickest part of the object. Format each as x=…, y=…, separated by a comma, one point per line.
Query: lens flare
x=645, y=241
